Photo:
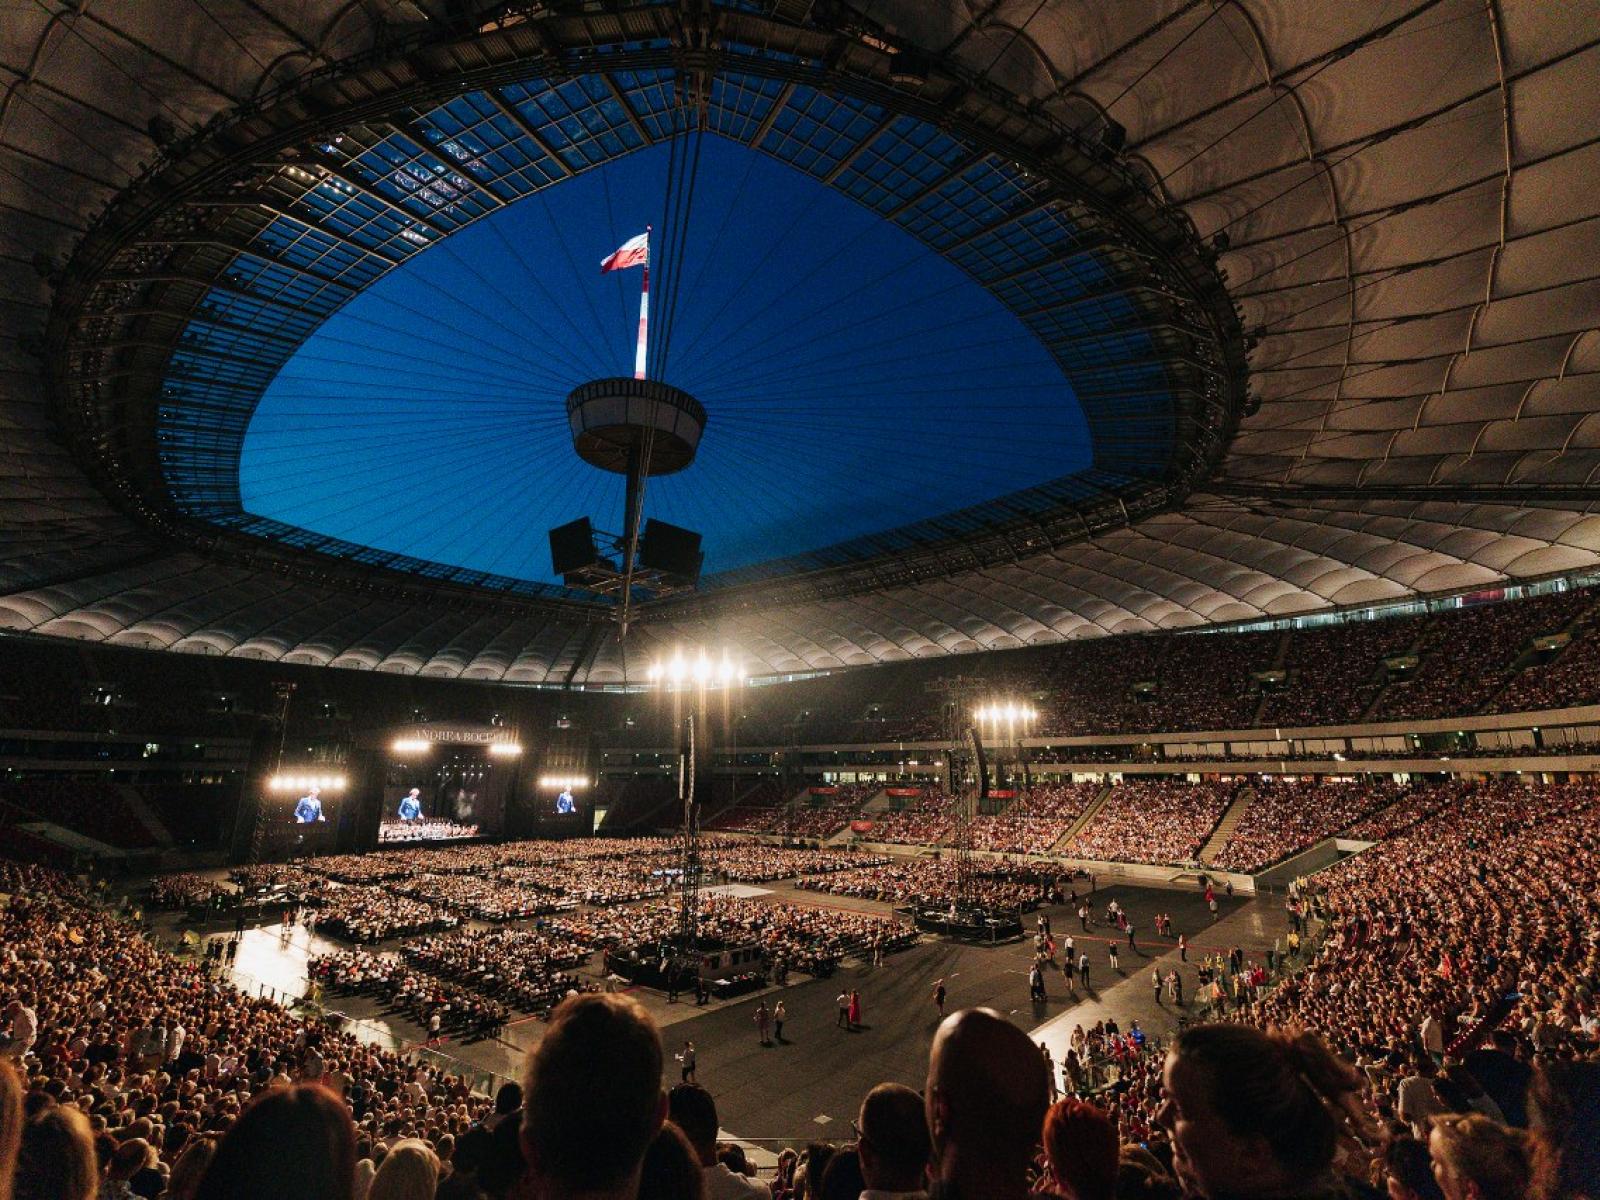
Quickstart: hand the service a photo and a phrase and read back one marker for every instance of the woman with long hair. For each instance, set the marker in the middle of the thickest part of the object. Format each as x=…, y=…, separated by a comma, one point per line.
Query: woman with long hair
x=410, y=1171
x=1080, y=1151
x=184, y=1182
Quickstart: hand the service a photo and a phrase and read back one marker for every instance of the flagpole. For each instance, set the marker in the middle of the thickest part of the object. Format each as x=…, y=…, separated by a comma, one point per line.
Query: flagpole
x=644, y=311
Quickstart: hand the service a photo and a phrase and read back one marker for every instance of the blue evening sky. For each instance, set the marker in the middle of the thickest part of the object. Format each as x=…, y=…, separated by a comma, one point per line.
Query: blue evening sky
x=854, y=380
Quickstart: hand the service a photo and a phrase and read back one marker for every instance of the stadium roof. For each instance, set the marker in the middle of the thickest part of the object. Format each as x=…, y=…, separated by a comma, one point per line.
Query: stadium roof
x=1396, y=197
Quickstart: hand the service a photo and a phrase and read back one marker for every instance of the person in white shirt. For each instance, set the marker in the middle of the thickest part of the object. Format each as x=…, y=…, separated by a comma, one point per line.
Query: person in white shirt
x=893, y=1144
x=691, y=1108
x=1433, y=1038
x=23, y=1023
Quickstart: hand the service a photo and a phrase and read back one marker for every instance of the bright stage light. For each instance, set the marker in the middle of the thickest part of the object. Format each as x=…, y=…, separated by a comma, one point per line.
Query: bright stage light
x=563, y=782
x=286, y=782
x=697, y=666
x=1010, y=713
x=411, y=745
x=504, y=750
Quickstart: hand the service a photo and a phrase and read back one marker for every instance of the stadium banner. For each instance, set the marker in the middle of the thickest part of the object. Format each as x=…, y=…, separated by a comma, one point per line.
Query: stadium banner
x=824, y=791
x=902, y=793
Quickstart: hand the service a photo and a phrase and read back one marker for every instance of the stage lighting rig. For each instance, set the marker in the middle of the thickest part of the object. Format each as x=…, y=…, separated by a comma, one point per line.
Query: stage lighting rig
x=699, y=669
x=1008, y=713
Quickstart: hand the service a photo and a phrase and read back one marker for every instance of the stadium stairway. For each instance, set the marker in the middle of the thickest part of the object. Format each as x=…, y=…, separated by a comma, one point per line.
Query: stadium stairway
x=145, y=815
x=1370, y=713
x=1280, y=654
x=1225, y=827
x=878, y=803
x=1088, y=814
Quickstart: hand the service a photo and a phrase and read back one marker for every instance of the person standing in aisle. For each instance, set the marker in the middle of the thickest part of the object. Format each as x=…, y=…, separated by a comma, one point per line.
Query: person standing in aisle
x=764, y=1023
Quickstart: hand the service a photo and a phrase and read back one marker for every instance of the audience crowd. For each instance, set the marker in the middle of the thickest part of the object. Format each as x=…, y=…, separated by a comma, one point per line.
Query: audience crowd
x=1442, y=1042
x=1286, y=816
x=131, y=1046
x=1035, y=822
x=1153, y=821
x=933, y=883
x=425, y=829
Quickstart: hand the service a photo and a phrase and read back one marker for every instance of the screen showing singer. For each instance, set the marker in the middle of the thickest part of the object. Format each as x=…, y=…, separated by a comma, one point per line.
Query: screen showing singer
x=309, y=809
x=411, y=805
x=564, y=802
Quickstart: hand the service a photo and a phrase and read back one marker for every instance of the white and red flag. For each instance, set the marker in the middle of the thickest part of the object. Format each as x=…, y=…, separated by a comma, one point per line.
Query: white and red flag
x=635, y=252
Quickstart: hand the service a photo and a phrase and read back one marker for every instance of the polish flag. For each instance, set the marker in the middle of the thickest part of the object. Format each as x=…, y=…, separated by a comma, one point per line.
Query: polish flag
x=635, y=252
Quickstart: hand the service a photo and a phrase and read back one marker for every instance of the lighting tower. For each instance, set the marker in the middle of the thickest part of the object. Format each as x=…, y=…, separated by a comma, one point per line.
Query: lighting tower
x=694, y=675
x=283, y=690
x=689, y=878
x=962, y=737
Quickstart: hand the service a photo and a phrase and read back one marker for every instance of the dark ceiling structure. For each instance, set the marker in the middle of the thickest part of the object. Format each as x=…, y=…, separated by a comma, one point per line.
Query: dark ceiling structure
x=1386, y=211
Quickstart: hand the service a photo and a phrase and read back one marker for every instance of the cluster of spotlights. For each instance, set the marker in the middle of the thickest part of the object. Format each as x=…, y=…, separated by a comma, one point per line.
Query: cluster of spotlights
x=416, y=746
x=298, y=783
x=698, y=668
x=1009, y=713
x=565, y=783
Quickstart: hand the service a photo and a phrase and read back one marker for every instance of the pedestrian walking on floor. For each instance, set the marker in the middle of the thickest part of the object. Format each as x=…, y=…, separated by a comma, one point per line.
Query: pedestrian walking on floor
x=1083, y=969
x=854, y=1011
x=1183, y=948
x=779, y=1015
x=1111, y=947
x=1131, y=946
x=843, y=1001
x=1157, y=982
x=685, y=1058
